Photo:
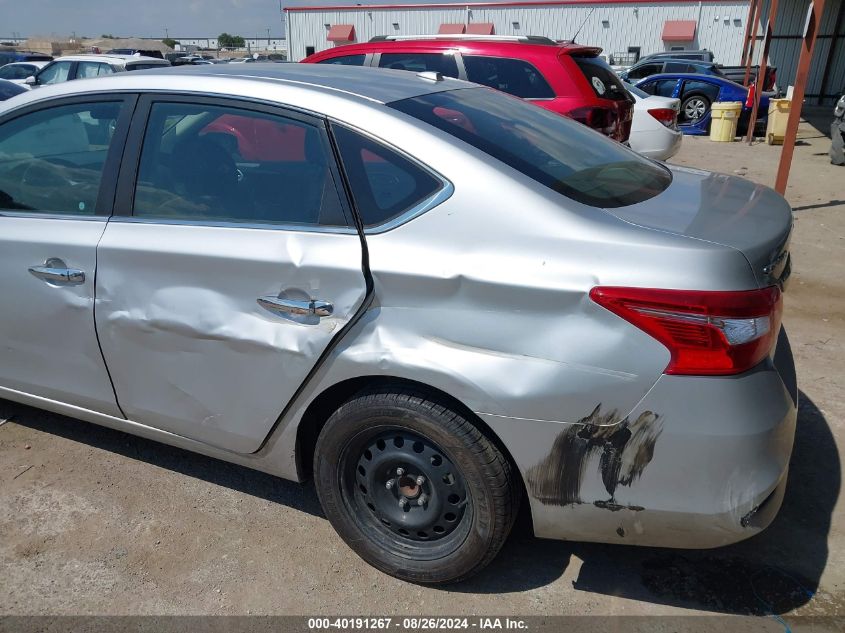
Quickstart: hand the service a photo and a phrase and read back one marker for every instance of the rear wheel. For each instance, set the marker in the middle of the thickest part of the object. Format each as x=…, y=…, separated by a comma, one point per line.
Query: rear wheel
x=695, y=107
x=414, y=487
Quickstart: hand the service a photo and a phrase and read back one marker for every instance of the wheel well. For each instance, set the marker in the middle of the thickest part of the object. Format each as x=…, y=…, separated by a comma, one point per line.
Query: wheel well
x=322, y=407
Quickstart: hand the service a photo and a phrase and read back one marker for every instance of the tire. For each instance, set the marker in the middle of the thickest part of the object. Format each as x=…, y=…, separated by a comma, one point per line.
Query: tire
x=695, y=107
x=448, y=527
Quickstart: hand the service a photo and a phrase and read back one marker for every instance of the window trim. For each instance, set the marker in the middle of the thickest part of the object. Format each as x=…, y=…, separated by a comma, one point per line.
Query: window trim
x=104, y=207
x=125, y=194
x=435, y=199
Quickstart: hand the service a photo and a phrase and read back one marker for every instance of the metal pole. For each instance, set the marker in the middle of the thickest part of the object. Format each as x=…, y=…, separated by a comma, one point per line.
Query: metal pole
x=828, y=67
x=752, y=7
x=814, y=17
x=761, y=73
x=758, y=11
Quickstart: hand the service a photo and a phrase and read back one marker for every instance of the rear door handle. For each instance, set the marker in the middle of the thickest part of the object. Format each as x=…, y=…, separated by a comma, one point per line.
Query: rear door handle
x=55, y=271
x=313, y=307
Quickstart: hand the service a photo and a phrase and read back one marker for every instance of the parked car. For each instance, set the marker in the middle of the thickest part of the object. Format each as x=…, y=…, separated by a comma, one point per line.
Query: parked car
x=17, y=72
x=9, y=89
x=437, y=297
x=643, y=69
x=72, y=67
x=567, y=78
x=837, y=133
x=9, y=57
x=698, y=93
x=702, y=55
x=694, y=62
x=136, y=51
x=655, y=132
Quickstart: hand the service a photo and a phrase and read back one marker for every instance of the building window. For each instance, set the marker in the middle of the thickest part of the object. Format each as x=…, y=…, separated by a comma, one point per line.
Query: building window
x=515, y=26
x=396, y=26
x=309, y=50
x=605, y=24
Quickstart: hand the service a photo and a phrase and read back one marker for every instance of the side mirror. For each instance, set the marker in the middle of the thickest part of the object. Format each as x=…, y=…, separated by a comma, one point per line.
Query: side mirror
x=31, y=81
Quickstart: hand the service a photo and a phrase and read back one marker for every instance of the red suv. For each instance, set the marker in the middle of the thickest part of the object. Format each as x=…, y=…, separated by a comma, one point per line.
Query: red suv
x=566, y=78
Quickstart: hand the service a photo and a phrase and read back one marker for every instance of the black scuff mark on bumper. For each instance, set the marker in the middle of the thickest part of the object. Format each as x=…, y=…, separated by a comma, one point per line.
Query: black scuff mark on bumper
x=624, y=449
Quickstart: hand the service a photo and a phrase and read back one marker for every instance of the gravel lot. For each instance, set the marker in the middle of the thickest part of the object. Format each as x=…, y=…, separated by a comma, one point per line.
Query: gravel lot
x=97, y=522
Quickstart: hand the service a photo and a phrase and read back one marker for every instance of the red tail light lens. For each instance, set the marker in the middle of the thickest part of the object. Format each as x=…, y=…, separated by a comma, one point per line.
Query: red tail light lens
x=667, y=116
x=603, y=120
x=706, y=332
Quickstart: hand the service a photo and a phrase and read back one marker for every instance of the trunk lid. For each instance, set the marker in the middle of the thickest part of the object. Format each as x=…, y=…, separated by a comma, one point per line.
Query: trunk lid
x=725, y=210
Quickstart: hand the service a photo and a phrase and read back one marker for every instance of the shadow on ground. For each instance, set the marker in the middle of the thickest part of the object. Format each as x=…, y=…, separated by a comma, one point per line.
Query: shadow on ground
x=246, y=480
x=772, y=573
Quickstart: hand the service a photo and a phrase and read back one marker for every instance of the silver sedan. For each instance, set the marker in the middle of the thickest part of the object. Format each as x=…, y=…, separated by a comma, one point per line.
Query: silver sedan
x=436, y=299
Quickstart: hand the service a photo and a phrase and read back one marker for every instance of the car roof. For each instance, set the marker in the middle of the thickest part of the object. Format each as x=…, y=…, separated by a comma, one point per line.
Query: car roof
x=535, y=44
x=30, y=62
x=247, y=80
x=663, y=59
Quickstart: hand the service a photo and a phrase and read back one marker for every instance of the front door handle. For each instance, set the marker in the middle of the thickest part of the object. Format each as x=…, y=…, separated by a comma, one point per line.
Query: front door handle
x=312, y=307
x=55, y=271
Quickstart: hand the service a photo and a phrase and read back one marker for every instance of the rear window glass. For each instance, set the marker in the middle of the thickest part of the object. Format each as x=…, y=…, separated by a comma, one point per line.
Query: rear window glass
x=513, y=76
x=601, y=78
x=443, y=63
x=557, y=152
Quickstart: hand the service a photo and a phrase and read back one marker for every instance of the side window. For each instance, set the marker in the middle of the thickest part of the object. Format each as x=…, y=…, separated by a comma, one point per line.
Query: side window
x=15, y=72
x=85, y=70
x=346, y=60
x=444, y=63
x=646, y=70
x=105, y=69
x=664, y=87
x=54, y=73
x=700, y=87
x=384, y=183
x=678, y=67
x=513, y=76
x=203, y=162
x=52, y=161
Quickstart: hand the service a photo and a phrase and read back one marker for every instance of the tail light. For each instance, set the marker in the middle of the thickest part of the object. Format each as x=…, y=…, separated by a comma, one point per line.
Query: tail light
x=603, y=120
x=667, y=116
x=706, y=332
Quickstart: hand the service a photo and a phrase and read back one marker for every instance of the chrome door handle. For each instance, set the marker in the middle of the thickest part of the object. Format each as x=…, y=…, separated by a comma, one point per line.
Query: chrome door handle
x=314, y=307
x=55, y=272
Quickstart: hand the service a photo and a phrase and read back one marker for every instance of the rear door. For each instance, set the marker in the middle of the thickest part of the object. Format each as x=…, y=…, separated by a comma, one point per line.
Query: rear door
x=58, y=164
x=229, y=270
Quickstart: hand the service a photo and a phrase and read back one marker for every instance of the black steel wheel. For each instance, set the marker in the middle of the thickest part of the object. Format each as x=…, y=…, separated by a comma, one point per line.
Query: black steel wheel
x=414, y=487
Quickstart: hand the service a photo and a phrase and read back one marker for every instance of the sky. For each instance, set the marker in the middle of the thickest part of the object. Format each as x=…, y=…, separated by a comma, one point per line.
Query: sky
x=147, y=18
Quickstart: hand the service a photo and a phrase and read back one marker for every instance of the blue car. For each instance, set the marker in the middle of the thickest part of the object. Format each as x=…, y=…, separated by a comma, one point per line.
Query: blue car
x=697, y=93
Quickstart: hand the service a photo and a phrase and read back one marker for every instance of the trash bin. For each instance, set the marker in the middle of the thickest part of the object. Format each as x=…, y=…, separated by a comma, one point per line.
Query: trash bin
x=778, y=116
x=724, y=115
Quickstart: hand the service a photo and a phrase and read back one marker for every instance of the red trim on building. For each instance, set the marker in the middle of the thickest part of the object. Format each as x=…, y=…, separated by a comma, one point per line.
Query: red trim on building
x=524, y=3
x=679, y=30
x=341, y=33
x=451, y=29
x=481, y=28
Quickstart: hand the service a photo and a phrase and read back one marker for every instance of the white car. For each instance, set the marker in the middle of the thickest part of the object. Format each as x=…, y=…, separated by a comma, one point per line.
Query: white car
x=87, y=66
x=654, y=130
x=17, y=72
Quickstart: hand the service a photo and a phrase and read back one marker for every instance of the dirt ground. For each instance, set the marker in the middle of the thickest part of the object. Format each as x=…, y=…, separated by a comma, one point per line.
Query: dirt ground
x=97, y=522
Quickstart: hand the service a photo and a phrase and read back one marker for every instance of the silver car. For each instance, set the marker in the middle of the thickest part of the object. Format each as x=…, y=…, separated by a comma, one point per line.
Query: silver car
x=436, y=299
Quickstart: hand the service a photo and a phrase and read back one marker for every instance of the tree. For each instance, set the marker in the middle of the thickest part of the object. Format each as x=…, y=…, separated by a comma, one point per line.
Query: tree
x=224, y=40
x=169, y=42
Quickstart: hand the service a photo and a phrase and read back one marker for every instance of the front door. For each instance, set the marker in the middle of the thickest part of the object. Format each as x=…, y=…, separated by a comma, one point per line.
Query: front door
x=57, y=169
x=233, y=273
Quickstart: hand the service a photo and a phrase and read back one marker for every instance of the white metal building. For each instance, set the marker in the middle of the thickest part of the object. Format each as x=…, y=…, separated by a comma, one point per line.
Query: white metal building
x=623, y=28
x=618, y=26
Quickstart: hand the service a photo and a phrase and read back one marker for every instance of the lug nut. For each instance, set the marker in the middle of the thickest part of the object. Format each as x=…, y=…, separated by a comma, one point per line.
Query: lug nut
x=402, y=502
x=421, y=500
x=400, y=471
x=420, y=480
x=389, y=484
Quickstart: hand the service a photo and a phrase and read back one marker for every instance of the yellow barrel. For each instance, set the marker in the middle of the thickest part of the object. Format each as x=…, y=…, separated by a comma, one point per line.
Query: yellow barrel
x=778, y=116
x=724, y=115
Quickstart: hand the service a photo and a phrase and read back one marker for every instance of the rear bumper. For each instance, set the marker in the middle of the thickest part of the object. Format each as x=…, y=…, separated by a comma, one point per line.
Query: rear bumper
x=659, y=144
x=702, y=464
